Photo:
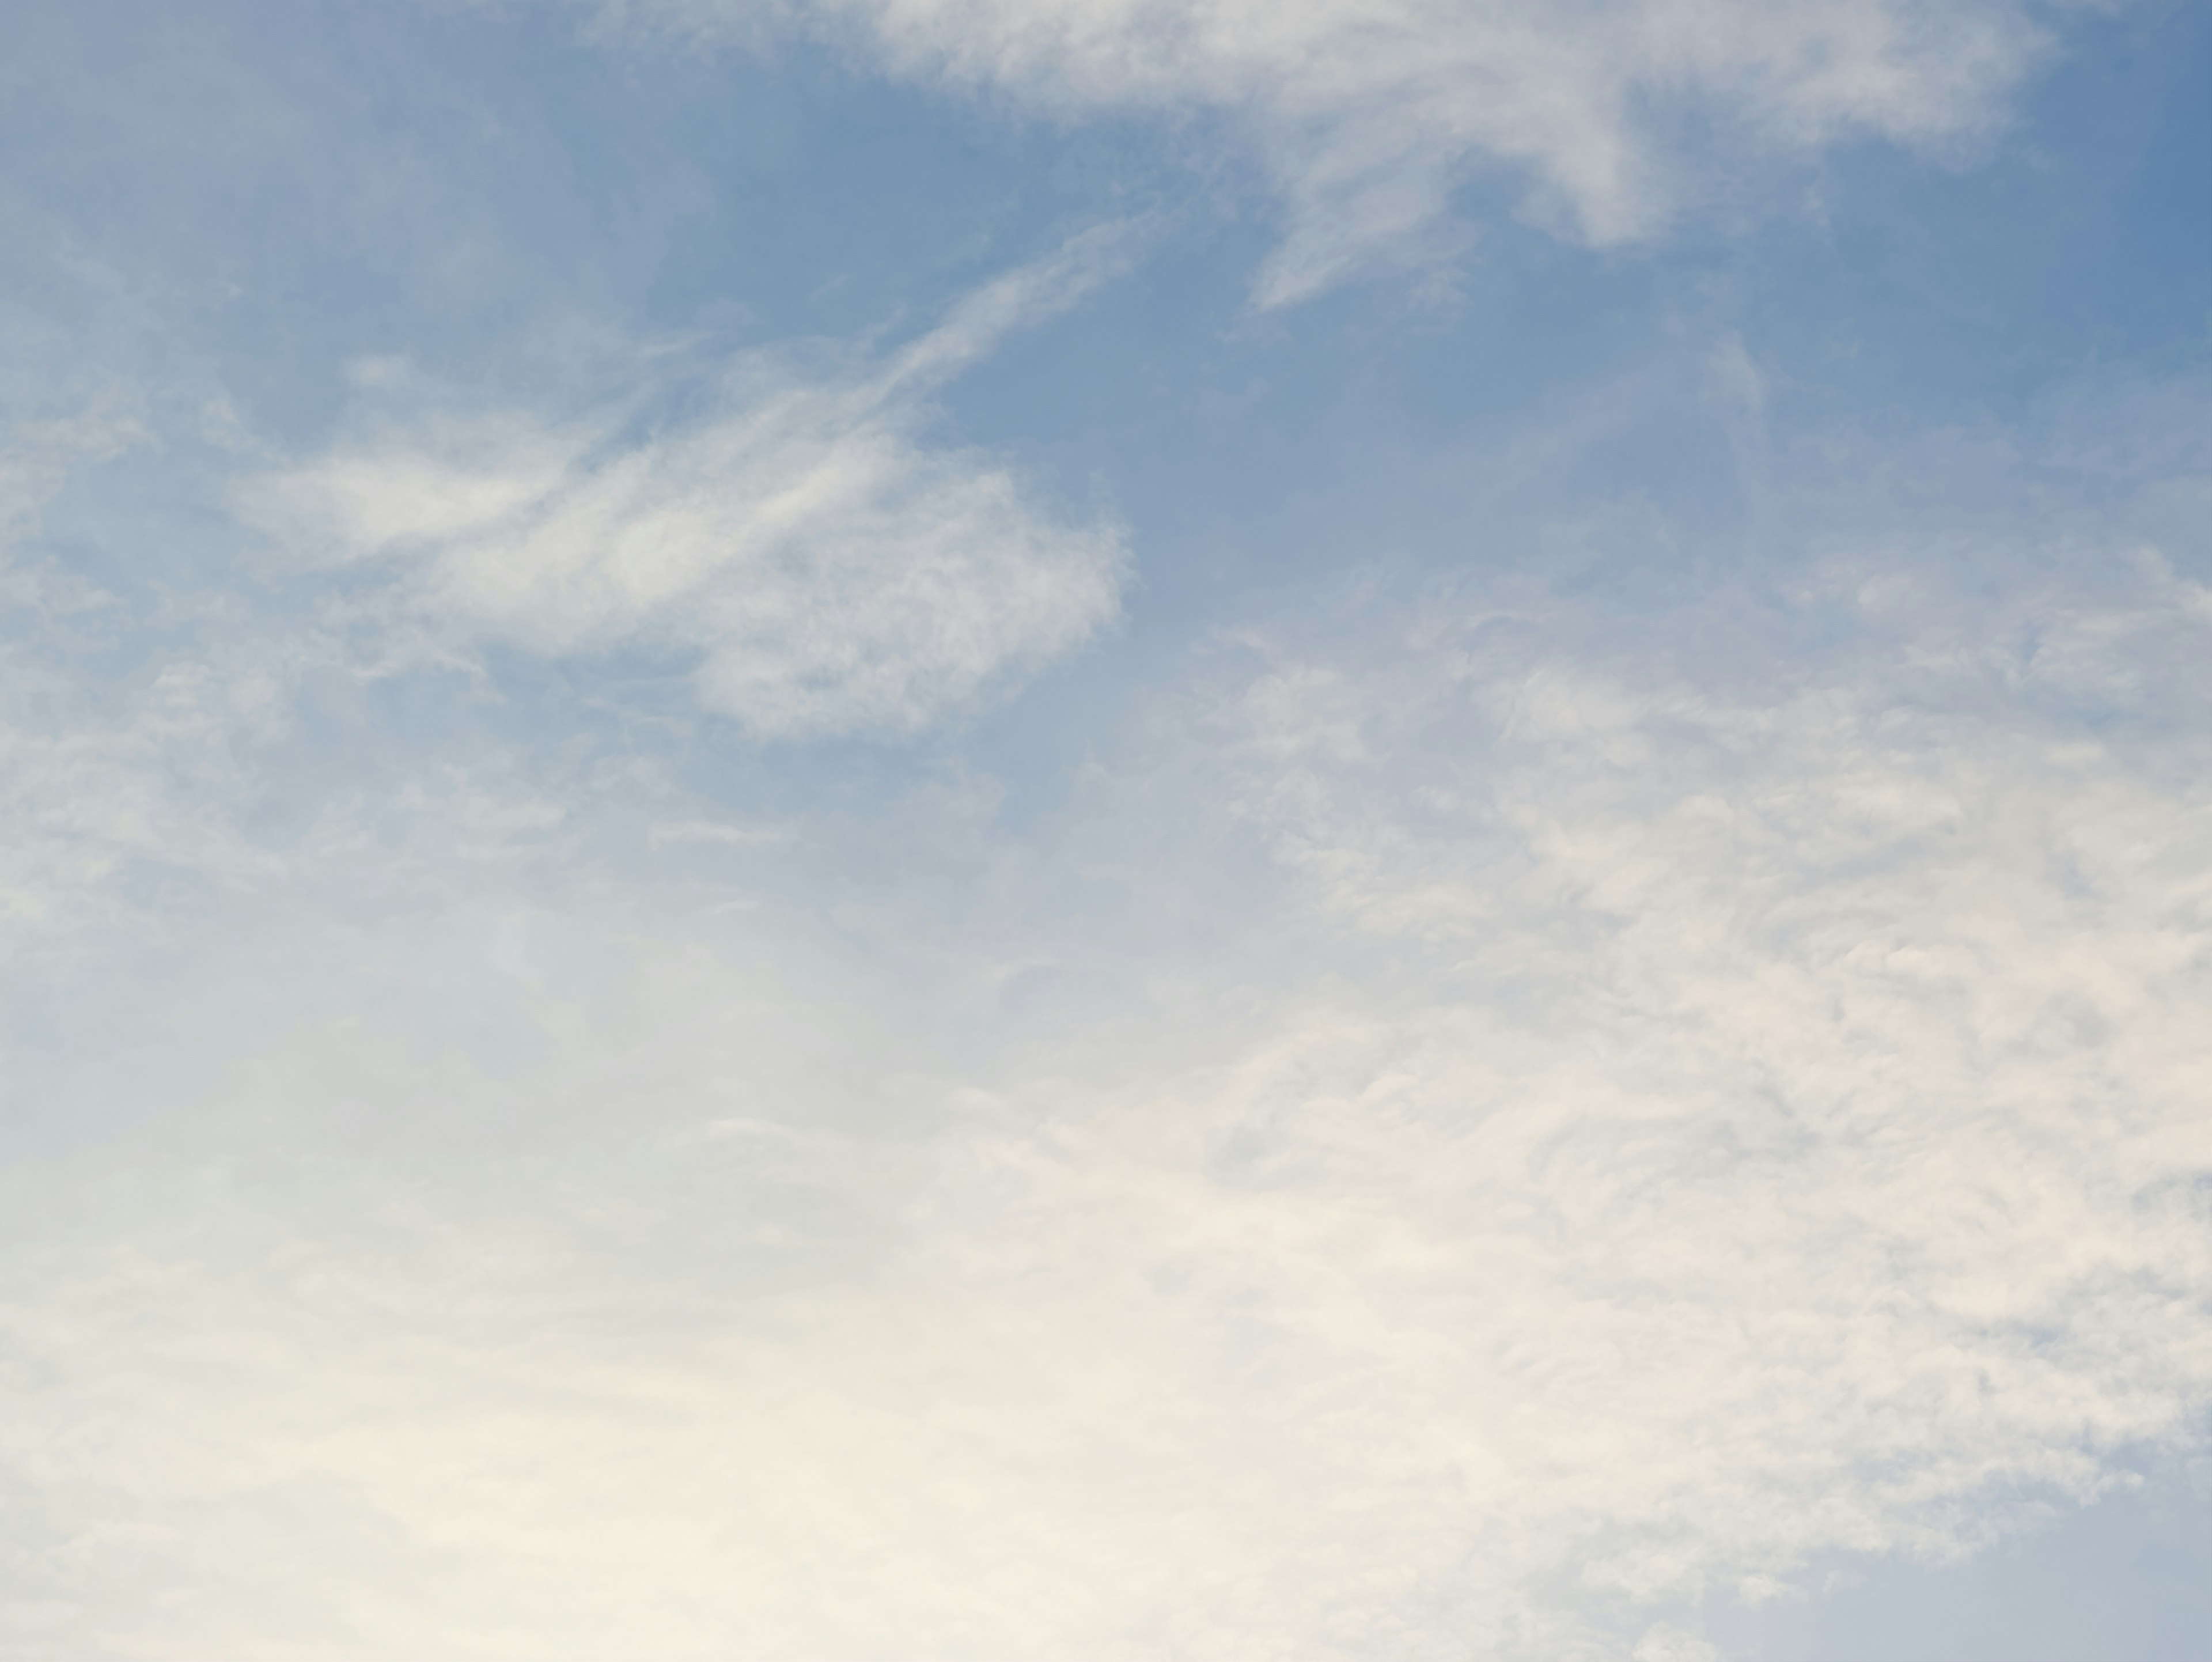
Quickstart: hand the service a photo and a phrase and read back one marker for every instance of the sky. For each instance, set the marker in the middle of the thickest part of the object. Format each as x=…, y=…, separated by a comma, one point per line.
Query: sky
x=1106, y=830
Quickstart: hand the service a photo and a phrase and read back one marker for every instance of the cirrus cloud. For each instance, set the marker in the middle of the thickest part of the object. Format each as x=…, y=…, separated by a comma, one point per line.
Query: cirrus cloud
x=1368, y=114
x=828, y=570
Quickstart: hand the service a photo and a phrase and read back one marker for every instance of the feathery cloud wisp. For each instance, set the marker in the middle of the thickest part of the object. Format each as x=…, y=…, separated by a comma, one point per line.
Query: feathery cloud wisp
x=830, y=571
x=1368, y=116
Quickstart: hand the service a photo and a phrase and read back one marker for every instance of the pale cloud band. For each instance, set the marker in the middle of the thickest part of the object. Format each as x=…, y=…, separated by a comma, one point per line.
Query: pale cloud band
x=830, y=571
x=1368, y=117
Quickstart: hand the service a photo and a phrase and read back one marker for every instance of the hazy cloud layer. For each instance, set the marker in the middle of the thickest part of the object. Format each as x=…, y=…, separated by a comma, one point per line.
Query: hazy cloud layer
x=1369, y=116
x=1700, y=1113
x=1595, y=1016
x=830, y=570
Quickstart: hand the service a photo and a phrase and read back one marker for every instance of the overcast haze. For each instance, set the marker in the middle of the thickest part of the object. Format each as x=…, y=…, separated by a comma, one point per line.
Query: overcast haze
x=1067, y=830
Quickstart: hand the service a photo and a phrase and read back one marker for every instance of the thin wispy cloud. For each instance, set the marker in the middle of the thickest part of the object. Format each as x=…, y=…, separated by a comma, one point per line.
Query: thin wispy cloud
x=1573, y=1016
x=1667, y=1118
x=829, y=569
x=1367, y=119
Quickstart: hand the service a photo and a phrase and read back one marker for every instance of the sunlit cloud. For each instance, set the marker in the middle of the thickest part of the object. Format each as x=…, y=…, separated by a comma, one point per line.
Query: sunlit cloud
x=652, y=1002
x=829, y=568
x=1368, y=119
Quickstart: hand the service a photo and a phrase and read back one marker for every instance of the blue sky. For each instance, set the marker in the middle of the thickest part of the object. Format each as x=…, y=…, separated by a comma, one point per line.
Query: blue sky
x=1077, y=829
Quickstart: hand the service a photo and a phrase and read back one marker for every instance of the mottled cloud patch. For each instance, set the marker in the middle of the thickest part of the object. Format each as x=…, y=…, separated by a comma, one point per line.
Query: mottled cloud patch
x=1784, y=1056
x=1722, y=1090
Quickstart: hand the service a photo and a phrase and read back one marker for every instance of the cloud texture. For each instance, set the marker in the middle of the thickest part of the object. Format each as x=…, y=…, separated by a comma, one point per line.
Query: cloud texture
x=1684, y=1114
x=1369, y=114
x=829, y=570
x=1595, y=1018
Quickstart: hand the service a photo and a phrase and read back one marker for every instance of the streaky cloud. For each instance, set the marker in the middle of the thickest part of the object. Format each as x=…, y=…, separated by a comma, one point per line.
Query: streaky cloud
x=830, y=571
x=1368, y=117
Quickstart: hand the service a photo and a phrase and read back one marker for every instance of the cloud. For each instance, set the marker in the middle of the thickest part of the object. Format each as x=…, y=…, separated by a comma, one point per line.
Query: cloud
x=1368, y=117
x=1607, y=1102
x=1797, y=1039
x=1701, y=1093
x=40, y=456
x=829, y=570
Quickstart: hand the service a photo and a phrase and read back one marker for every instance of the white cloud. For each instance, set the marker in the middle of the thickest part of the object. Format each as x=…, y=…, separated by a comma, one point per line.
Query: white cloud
x=830, y=571
x=1822, y=1027
x=1711, y=1094
x=1368, y=114
x=1713, y=1088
